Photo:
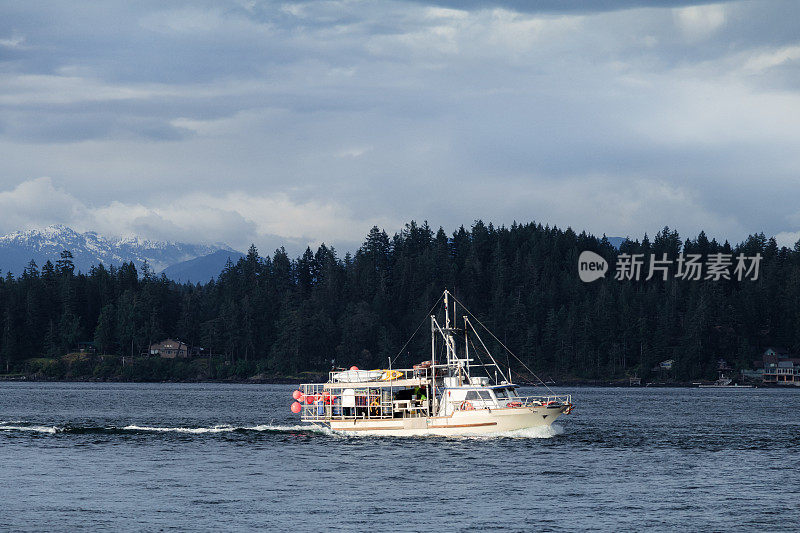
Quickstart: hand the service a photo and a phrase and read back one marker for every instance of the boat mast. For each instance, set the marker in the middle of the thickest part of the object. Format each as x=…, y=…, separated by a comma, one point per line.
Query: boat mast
x=446, y=310
x=452, y=357
x=466, y=344
x=456, y=364
x=433, y=365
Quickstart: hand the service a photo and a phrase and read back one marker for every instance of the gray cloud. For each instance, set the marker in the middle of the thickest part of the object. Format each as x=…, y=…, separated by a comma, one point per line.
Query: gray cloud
x=565, y=6
x=312, y=121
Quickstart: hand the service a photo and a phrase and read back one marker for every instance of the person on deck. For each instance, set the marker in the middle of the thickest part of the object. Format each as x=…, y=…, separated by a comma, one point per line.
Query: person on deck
x=420, y=394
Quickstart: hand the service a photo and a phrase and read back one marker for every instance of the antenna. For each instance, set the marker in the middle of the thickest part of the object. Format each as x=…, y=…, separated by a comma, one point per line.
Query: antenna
x=446, y=310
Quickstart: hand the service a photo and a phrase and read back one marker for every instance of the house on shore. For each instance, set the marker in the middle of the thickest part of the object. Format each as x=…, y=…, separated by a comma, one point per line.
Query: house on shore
x=779, y=367
x=170, y=349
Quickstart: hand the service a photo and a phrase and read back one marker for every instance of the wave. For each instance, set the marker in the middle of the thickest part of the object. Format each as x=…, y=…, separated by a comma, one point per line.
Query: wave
x=37, y=429
x=541, y=432
x=538, y=432
x=213, y=429
x=292, y=429
x=545, y=432
x=227, y=429
x=224, y=428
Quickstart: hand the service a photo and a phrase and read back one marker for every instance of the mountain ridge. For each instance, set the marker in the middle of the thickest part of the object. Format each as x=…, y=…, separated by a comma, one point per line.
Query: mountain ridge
x=90, y=248
x=201, y=269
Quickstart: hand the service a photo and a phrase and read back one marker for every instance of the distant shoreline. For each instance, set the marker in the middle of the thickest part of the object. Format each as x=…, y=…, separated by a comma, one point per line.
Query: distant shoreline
x=288, y=380
x=39, y=379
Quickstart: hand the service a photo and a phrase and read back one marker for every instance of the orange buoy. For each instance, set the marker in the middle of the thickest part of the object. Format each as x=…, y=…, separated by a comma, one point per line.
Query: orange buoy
x=296, y=394
x=354, y=367
x=296, y=407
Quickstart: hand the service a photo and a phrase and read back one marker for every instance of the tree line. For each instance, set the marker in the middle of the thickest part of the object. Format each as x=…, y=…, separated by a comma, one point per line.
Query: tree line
x=282, y=316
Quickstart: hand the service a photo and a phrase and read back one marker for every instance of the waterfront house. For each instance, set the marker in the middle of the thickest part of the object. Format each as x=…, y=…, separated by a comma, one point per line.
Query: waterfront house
x=170, y=349
x=780, y=367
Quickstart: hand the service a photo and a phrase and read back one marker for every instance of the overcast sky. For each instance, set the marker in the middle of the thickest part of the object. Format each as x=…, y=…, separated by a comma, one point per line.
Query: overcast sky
x=304, y=122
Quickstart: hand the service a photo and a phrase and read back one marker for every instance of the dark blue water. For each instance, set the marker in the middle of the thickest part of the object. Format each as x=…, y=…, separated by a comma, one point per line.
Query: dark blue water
x=209, y=457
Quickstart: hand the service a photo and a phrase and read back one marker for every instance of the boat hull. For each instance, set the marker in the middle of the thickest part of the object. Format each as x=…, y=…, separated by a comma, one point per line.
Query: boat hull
x=478, y=422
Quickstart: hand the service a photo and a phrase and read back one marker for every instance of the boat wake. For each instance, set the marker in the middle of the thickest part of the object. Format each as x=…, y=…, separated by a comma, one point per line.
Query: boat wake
x=32, y=428
x=540, y=432
x=18, y=426
x=228, y=429
x=543, y=432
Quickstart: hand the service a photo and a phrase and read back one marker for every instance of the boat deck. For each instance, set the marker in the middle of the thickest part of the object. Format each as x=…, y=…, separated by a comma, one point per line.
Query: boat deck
x=407, y=382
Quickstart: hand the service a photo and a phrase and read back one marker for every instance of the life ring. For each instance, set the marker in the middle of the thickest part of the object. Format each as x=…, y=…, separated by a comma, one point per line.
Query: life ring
x=390, y=375
x=514, y=404
x=466, y=405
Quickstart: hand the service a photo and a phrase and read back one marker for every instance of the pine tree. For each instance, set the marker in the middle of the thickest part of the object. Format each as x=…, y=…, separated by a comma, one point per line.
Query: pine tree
x=105, y=332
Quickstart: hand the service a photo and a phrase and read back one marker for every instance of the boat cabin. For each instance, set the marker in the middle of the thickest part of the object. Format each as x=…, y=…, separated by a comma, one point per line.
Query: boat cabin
x=469, y=398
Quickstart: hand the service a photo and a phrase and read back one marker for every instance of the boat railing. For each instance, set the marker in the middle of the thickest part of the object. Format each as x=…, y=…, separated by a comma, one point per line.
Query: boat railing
x=516, y=401
x=535, y=401
x=319, y=404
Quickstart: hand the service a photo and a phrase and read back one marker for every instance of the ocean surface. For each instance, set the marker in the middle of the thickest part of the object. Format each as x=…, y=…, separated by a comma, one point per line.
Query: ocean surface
x=202, y=457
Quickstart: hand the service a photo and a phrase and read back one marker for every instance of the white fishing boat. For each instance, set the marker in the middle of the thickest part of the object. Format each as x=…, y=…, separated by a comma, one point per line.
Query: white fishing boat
x=447, y=395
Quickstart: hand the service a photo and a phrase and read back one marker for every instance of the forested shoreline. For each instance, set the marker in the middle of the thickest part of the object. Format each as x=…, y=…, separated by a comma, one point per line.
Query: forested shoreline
x=275, y=317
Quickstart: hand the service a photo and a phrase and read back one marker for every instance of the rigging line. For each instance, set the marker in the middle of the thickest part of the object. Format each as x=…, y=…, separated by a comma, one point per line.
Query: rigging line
x=427, y=317
x=494, y=361
x=477, y=353
x=501, y=344
x=522, y=376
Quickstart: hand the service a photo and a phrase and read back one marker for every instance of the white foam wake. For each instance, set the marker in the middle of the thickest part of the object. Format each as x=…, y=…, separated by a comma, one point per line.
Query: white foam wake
x=17, y=425
x=538, y=432
x=213, y=429
x=225, y=428
x=289, y=429
x=38, y=429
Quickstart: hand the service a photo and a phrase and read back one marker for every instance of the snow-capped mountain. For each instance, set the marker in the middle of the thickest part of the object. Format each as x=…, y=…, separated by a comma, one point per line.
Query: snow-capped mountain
x=90, y=248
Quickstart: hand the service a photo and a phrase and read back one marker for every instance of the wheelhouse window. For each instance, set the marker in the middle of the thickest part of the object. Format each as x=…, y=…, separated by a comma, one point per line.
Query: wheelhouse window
x=485, y=395
x=501, y=393
x=472, y=395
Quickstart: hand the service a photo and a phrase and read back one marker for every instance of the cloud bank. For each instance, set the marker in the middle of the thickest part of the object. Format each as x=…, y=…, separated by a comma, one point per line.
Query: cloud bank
x=236, y=219
x=306, y=122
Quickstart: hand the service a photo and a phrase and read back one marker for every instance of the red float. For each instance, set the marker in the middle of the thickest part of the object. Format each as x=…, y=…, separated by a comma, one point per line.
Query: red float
x=296, y=407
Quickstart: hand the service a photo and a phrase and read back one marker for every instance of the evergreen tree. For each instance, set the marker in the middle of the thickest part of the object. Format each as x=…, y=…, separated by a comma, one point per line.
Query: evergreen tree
x=105, y=332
